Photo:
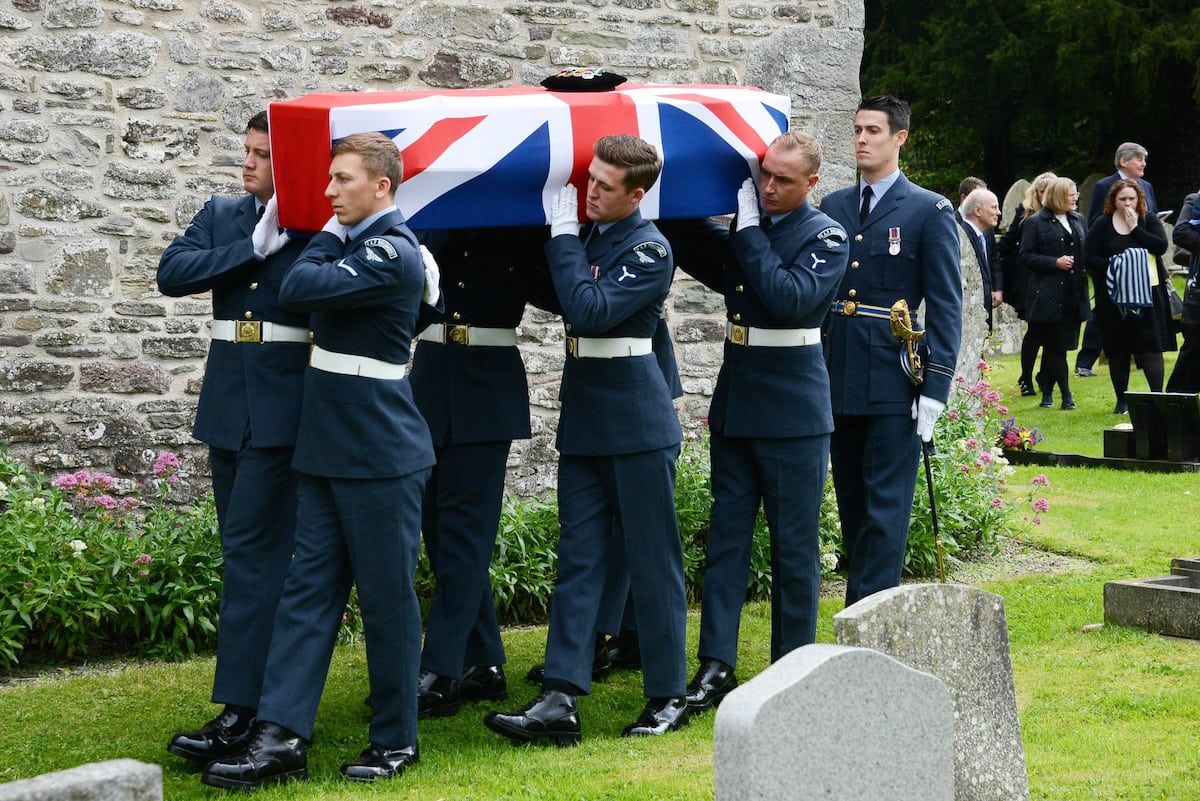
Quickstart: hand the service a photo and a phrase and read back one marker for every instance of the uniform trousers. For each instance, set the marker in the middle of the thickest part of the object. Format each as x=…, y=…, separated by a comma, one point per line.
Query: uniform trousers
x=255, y=493
x=616, y=602
x=638, y=490
x=363, y=532
x=874, y=461
x=459, y=518
x=787, y=477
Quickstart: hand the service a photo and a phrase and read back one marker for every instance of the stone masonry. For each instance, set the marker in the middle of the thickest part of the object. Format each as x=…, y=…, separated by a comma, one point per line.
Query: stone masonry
x=118, y=118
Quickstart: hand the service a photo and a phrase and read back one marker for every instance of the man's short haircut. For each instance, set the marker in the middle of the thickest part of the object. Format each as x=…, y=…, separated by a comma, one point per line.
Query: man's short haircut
x=379, y=155
x=1057, y=196
x=807, y=146
x=1110, y=202
x=976, y=198
x=258, y=123
x=898, y=113
x=638, y=157
x=969, y=185
x=1127, y=151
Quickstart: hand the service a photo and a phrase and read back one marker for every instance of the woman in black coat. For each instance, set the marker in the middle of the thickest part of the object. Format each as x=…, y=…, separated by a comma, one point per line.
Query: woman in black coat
x=1056, y=299
x=1127, y=224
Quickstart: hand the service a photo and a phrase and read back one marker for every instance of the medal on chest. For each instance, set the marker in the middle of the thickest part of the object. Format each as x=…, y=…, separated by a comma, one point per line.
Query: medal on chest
x=894, y=241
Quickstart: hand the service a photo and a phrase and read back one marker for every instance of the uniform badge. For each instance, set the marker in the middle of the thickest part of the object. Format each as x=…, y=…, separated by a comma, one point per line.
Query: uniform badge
x=644, y=250
x=625, y=274
x=944, y=204
x=595, y=271
x=894, y=241
x=382, y=244
x=832, y=237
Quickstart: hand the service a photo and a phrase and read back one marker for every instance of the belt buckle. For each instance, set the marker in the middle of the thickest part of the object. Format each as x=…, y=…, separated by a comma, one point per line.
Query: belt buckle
x=459, y=334
x=248, y=331
x=739, y=334
x=573, y=346
x=849, y=308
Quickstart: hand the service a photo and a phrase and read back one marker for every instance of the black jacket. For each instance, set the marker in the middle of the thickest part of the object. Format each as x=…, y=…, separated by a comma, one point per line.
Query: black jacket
x=1053, y=295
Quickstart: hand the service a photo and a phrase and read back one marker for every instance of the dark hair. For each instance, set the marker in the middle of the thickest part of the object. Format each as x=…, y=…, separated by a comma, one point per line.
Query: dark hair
x=1110, y=202
x=258, y=123
x=969, y=185
x=637, y=156
x=379, y=155
x=898, y=113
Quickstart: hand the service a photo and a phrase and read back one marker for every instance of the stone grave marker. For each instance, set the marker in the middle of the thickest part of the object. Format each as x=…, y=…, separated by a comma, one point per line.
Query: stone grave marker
x=115, y=780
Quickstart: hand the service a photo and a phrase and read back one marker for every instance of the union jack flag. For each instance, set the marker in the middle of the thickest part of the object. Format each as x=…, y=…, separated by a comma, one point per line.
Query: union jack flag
x=496, y=157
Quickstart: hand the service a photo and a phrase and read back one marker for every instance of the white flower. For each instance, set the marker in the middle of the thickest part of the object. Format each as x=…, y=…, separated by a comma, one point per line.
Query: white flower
x=78, y=546
x=828, y=562
x=3, y=488
x=19, y=478
x=38, y=503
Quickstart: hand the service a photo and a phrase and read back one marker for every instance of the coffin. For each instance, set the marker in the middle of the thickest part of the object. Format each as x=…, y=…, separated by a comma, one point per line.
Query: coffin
x=496, y=157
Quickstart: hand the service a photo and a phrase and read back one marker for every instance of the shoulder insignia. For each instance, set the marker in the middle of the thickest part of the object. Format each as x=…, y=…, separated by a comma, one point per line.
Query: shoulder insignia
x=832, y=237
x=643, y=250
x=372, y=256
x=944, y=203
x=382, y=244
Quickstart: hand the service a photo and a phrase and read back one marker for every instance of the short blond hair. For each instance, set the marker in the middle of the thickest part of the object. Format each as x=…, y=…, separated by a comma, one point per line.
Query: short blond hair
x=1057, y=196
x=379, y=155
x=807, y=146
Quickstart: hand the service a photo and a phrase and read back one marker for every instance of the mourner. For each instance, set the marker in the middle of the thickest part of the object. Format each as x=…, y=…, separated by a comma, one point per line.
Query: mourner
x=618, y=438
x=248, y=413
x=363, y=453
x=903, y=247
x=770, y=418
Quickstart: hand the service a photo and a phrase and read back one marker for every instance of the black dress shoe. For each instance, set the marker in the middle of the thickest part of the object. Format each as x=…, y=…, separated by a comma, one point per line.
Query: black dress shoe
x=624, y=651
x=437, y=696
x=601, y=665
x=1121, y=408
x=1085, y=372
x=1068, y=403
x=713, y=681
x=1026, y=387
x=660, y=716
x=274, y=755
x=225, y=735
x=483, y=683
x=377, y=762
x=1047, y=400
x=552, y=716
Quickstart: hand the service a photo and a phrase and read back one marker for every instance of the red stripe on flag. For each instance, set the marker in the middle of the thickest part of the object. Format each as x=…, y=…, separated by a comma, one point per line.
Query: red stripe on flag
x=593, y=115
x=429, y=148
x=299, y=135
x=724, y=111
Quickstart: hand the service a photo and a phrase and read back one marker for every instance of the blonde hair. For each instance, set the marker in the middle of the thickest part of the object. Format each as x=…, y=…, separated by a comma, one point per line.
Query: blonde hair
x=804, y=144
x=379, y=155
x=1033, y=200
x=1057, y=196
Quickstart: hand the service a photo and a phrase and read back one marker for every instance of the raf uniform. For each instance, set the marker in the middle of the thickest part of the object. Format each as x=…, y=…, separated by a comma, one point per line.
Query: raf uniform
x=363, y=454
x=770, y=418
x=469, y=384
x=248, y=414
x=906, y=248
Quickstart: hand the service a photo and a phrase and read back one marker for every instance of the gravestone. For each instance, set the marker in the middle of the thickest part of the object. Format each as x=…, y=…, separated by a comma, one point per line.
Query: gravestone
x=958, y=634
x=836, y=723
x=115, y=780
x=1167, y=605
x=1086, y=188
x=1012, y=199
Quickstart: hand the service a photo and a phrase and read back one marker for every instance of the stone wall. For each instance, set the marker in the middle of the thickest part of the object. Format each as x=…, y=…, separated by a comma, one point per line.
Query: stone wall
x=118, y=118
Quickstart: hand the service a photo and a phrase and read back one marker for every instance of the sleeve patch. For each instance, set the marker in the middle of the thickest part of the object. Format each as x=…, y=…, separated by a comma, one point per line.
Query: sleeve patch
x=944, y=203
x=382, y=244
x=644, y=250
x=832, y=237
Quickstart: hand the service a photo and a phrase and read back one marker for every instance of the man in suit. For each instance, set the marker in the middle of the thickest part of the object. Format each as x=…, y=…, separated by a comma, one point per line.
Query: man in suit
x=965, y=187
x=363, y=454
x=618, y=438
x=903, y=246
x=1130, y=160
x=770, y=418
x=248, y=413
x=980, y=216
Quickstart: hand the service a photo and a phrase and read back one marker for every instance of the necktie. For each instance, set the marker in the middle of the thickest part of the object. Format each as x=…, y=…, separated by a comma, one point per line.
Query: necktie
x=983, y=249
x=766, y=223
x=261, y=209
x=865, y=211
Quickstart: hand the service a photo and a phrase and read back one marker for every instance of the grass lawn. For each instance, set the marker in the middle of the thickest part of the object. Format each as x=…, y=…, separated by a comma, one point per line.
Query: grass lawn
x=1109, y=714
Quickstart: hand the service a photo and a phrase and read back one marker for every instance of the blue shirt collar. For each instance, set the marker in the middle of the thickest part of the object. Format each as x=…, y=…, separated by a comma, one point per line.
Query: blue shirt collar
x=879, y=188
x=356, y=230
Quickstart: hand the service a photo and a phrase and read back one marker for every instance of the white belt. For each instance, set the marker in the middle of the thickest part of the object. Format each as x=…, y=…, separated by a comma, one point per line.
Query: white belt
x=349, y=364
x=257, y=331
x=771, y=337
x=469, y=335
x=608, y=347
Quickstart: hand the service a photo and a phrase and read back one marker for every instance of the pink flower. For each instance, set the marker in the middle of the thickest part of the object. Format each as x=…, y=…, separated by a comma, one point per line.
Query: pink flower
x=103, y=480
x=985, y=457
x=130, y=503
x=65, y=482
x=1037, y=521
x=143, y=559
x=1040, y=480
x=966, y=468
x=972, y=443
x=960, y=379
x=107, y=501
x=166, y=462
x=997, y=503
x=1002, y=409
x=172, y=480
x=992, y=396
x=1041, y=505
x=983, y=365
x=953, y=415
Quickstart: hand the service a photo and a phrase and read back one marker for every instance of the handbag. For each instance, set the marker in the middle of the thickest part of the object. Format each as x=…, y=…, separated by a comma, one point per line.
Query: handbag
x=1176, y=302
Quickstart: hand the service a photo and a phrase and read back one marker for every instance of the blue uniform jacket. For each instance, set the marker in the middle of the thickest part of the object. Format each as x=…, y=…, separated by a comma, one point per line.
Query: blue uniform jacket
x=622, y=405
x=782, y=277
x=365, y=299
x=258, y=384
x=862, y=354
x=471, y=394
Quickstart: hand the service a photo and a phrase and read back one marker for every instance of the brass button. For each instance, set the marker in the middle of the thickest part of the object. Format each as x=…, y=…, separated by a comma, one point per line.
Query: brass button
x=853, y=265
x=457, y=316
x=737, y=317
x=853, y=293
x=568, y=326
x=462, y=284
x=249, y=315
x=311, y=336
x=739, y=288
x=466, y=254
x=858, y=237
x=254, y=285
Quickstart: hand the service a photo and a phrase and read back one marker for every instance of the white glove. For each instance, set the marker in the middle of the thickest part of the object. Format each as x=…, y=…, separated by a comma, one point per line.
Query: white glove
x=926, y=411
x=564, y=212
x=432, y=277
x=336, y=228
x=267, y=238
x=747, y=199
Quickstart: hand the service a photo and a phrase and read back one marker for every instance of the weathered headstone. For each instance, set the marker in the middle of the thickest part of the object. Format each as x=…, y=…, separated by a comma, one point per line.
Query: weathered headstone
x=958, y=634
x=1086, y=188
x=115, y=780
x=1012, y=199
x=836, y=723
x=974, y=317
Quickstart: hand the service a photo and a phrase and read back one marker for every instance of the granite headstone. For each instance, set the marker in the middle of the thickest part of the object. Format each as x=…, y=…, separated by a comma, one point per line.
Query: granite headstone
x=115, y=780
